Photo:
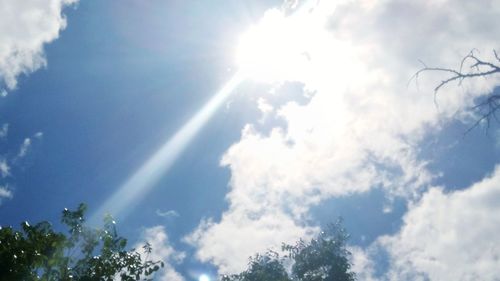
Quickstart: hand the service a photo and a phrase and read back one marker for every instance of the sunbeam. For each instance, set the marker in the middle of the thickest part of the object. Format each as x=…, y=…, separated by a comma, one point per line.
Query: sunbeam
x=141, y=182
x=256, y=58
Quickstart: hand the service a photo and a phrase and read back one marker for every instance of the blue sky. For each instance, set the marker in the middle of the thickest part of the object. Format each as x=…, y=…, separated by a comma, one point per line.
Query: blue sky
x=323, y=124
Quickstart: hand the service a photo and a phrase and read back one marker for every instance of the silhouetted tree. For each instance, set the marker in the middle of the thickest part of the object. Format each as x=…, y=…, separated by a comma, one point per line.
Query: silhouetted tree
x=83, y=253
x=261, y=268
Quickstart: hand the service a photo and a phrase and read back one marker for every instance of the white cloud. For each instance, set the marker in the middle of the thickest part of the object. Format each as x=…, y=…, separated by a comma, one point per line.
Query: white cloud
x=449, y=236
x=161, y=250
x=8, y=164
x=167, y=214
x=25, y=26
x=265, y=108
x=363, y=123
x=238, y=228
x=4, y=168
x=362, y=264
x=4, y=130
x=38, y=135
x=5, y=193
x=25, y=146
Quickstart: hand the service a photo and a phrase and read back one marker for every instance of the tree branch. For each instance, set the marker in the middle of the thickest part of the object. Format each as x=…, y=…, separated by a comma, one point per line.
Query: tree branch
x=488, y=108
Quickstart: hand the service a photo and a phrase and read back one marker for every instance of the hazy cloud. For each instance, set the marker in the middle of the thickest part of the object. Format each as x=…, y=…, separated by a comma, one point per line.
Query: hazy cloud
x=38, y=135
x=4, y=168
x=5, y=193
x=25, y=146
x=167, y=214
x=11, y=164
x=4, y=130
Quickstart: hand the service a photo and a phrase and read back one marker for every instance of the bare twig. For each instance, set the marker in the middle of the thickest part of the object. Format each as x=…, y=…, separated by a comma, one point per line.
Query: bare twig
x=478, y=68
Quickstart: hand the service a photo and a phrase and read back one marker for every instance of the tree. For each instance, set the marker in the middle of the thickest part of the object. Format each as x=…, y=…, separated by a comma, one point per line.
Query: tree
x=323, y=258
x=264, y=267
x=486, y=108
x=82, y=253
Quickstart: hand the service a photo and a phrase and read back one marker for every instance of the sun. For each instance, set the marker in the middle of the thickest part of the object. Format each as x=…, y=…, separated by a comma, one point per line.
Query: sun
x=203, y=277
x=274, y=48
x=298, y=47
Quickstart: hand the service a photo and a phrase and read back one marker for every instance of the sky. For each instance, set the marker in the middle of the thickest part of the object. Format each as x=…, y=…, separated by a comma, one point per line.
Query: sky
x=220, y=129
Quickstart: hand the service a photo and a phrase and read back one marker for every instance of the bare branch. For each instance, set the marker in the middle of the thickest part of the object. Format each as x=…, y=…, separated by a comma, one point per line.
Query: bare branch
x=488, y=108
x=496, y=55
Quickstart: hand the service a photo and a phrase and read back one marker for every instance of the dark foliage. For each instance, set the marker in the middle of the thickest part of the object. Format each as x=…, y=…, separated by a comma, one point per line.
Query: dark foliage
x=83, y=253
x=323, y=258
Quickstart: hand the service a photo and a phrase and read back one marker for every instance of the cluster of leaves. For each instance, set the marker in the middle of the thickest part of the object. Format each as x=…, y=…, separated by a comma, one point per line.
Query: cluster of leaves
x=323, y=258
x=83, y=253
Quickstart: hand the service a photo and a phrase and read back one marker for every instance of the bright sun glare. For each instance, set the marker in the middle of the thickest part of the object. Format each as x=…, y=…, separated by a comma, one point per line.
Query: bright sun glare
x=204, y=277
x=273, y=48
x=297, y=47
x=279, y=48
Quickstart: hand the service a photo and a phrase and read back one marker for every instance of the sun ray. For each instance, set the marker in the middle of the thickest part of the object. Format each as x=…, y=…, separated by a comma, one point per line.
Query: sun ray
x=142, y=181
x=270, y=48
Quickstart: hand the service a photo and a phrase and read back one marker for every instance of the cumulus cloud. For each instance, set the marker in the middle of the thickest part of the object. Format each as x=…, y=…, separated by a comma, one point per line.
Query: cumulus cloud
x=246, y=232
x=25, y=27
x=161, y=250
x=449, y=236
x=362, y=264
x=362, y=124
x=265, y=108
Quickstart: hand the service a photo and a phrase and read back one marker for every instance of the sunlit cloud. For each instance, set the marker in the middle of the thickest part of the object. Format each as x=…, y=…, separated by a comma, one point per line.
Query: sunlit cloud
x=265, y=108
x=204, y=277
x=162, y=250
x=361, y=125
x=25, y=27
x=445, y=236
x=143, y=180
